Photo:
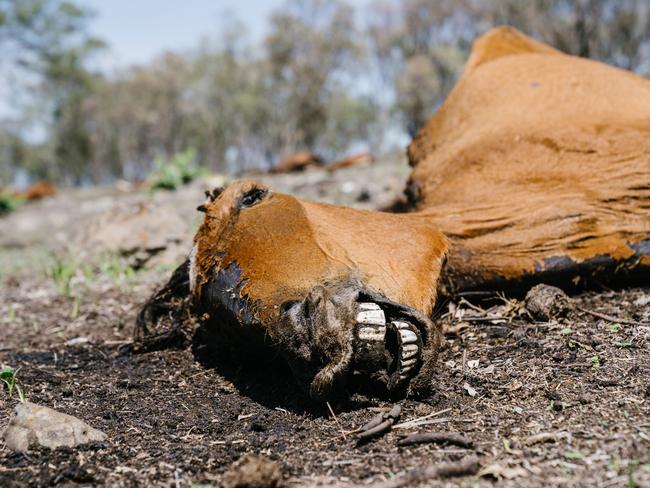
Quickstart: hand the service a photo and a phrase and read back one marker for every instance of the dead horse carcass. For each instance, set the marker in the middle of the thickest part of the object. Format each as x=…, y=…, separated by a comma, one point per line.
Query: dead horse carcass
x=536, y=168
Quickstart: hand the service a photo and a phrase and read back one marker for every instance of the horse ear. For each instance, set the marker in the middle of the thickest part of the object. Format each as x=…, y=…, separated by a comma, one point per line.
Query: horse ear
x=214, y=193
x=210, y=196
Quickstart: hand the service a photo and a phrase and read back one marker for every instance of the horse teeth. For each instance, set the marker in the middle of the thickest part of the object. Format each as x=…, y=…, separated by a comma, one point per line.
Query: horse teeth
x=408, y=336
x=401, y=325
x=371, y=322
x=409, y=350
x=372, y=334
x=371, y=317
x=408, y=363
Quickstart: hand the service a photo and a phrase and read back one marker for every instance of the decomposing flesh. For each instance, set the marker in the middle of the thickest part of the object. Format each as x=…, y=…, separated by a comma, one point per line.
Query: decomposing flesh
x=343, y=295
x=537, y=168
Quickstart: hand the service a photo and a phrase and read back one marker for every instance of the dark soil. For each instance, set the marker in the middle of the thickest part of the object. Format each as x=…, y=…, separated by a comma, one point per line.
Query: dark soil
x=564, y=402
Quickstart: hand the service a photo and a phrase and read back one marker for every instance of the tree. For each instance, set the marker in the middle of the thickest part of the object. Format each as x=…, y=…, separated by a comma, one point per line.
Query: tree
x=312, y=44
x=419, y=47
x=48, y=42
x=613, y=31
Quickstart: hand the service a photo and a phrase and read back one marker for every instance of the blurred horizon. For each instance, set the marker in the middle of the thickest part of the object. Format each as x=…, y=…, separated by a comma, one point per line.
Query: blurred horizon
x=94, y=91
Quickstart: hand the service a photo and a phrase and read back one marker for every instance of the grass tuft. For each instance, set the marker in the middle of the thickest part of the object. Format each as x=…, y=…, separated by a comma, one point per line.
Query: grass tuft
x=176, y=171
x=9, y=202
x=8, y=376
x=62, y=271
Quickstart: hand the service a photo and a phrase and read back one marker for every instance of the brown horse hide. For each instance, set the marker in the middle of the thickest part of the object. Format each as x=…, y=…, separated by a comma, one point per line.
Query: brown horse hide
x=537, y=167
x=343, y=295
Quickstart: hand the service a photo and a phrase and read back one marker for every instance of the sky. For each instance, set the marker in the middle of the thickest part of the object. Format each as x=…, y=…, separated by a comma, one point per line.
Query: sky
x=138, y=30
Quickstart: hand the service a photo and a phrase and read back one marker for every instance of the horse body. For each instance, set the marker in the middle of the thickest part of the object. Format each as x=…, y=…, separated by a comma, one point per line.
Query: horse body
x=537, y=167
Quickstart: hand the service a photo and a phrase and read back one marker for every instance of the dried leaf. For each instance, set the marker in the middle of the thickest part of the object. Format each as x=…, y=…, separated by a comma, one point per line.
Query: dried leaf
x=488, y=369
x=470, y=391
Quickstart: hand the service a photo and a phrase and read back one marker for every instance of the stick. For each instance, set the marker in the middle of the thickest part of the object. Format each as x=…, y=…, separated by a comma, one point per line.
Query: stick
x=379, y=425
x=416, y=422
x=473, y=307
x=202, y=372
x=482, y=319
x=342, y=435
x=436, y=438
x=465, y=467
x=376, y=420
x=336, y=420
x=609, y=318
x=366, y=435
x=474, y=294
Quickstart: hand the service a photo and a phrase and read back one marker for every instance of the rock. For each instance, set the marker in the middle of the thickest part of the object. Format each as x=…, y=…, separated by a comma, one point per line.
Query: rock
x=253, y=471
x=546, y=302
x=33, y=425
x=77, y=341
x=147, y=233
x=642, y=301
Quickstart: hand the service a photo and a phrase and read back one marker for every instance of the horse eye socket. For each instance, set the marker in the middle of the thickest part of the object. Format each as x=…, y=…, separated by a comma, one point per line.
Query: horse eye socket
x=252, y=197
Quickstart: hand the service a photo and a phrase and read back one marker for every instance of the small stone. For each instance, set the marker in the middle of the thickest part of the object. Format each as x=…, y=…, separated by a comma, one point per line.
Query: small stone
x=546, y=302
x=33, y=425
x=77, y=341
x=642, y=301
x=253, y=471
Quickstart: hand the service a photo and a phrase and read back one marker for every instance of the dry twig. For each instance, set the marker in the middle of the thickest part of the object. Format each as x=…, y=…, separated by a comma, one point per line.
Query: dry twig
x=379, y=425
x=336, y=420
x=420, y=420
x=436, y=438
x=465, y=467
x=472, y=306
x=609, y=318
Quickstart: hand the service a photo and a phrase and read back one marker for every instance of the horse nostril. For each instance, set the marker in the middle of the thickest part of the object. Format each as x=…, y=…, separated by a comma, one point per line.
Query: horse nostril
x=288, y=305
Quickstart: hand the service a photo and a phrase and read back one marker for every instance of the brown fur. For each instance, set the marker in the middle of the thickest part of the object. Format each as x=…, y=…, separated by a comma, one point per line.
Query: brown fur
x=536, y=158
x=286, y=247
x=269, y=266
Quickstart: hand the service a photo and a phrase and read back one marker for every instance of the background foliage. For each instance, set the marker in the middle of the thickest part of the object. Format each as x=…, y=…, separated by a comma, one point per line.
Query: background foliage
x=328, y=77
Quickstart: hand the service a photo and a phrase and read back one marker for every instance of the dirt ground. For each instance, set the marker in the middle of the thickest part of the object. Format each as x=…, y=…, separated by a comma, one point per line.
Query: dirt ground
x=564, y=402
